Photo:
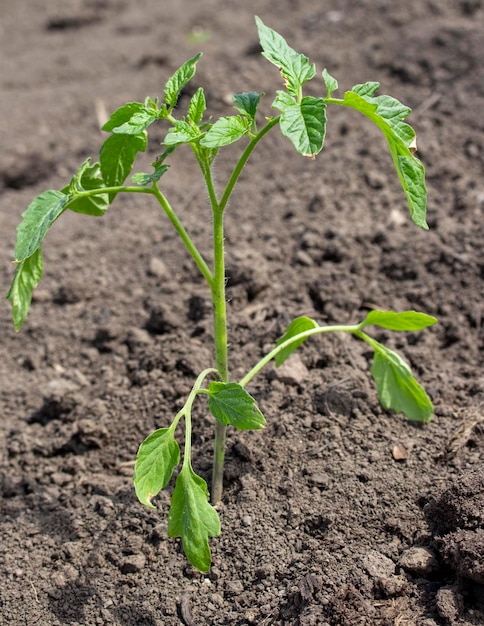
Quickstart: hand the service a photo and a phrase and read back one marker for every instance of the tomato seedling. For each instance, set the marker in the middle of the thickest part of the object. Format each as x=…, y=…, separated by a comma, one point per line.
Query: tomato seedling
x=92, y=189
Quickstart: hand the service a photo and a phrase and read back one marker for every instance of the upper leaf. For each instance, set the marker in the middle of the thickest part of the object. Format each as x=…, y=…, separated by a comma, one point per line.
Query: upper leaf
x=412, y=173
x=179, y=79
x=196, y=107
x=303, y=123
x=330, y=82
x=192, y=518
x=366, y=89
x=294, y=67
x=182, y=132
x=145, y=179
x=246, y=103
x=388, y=114
x=230, y=403
x=123, y=115
x=87, y=178
x=117, y=156
x=27, y=277
x=41, y=213
x=397, y=388
x=157, y=457
x=138, y=122
x=405, y=320
x=225, y=131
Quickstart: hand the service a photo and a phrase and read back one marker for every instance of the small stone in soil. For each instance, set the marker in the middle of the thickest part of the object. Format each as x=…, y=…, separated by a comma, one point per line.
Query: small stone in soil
x=420, y=561
x=292, y=372
x=132, y=563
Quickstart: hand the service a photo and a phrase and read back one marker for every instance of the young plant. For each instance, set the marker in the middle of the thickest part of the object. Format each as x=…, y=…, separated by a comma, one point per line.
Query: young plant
x=92, y=189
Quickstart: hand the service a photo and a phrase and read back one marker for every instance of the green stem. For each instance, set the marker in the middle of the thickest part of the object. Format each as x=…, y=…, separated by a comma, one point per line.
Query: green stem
x=243, y=160
x=218, y=295
x=184, y=236
x=352, y=328
x=221, y=350
x=109, y=190
x=186, y=412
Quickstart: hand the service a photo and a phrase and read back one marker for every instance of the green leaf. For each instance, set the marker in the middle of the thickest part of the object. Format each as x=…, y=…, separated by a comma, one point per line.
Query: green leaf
x=366, y=89
x=230, y=403
x=397, y=388
x=196, y=107
x=246, y=103
x=146, y=179
x=137, y=123
x=388, y=114
x=123, y=115
x=225, y=131
x=41, y=213
x=163, y=156
x=117, y=156
x=296, y=327
x=330, y=82
x=27, y=277
x=86, y=178
x=182, y=132
x=294, y=67
x=179, y=79
x=157, y=457
x=405, y=320
x=192, y=518
x=303, y=123
x=412, y=174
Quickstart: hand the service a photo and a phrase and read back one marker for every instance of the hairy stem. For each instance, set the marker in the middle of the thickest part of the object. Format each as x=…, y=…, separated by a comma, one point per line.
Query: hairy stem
x=351, y=328
x=186, y=412
x=218, y=296
x=243, y=160
x=221, y=351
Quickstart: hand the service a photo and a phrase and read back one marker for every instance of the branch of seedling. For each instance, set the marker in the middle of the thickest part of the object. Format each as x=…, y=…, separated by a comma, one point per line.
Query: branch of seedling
x=302, y=120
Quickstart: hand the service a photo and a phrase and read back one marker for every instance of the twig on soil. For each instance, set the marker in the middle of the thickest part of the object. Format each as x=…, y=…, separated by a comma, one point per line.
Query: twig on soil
x=461, y=437
x=36, y=597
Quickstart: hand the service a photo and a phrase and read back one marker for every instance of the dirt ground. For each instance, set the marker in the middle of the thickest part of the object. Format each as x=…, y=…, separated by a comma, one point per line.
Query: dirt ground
x=322, y=525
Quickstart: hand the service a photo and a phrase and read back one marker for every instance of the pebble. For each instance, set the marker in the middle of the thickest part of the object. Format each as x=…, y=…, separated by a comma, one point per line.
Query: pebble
x=234, y=586
x=59, y=387
x=420, y=561
x=378, y=565
x=303, y=258
x=157, y=268
x=320, y=480
x=393, y=586
x=132, y=563
x=293, y=371
x=138, y=336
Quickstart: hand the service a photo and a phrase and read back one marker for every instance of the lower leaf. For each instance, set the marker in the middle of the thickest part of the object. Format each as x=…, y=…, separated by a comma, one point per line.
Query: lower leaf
x=230, y=403
x=192, y=518
x=397, y=388
x=157, y=457
x=26, y=279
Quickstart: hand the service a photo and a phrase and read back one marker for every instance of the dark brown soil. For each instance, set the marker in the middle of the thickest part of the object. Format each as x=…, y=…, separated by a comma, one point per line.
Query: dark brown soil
x=321, y=524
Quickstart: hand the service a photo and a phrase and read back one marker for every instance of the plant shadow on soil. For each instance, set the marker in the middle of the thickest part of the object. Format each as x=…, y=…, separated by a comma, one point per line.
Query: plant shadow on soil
x=338, y=513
